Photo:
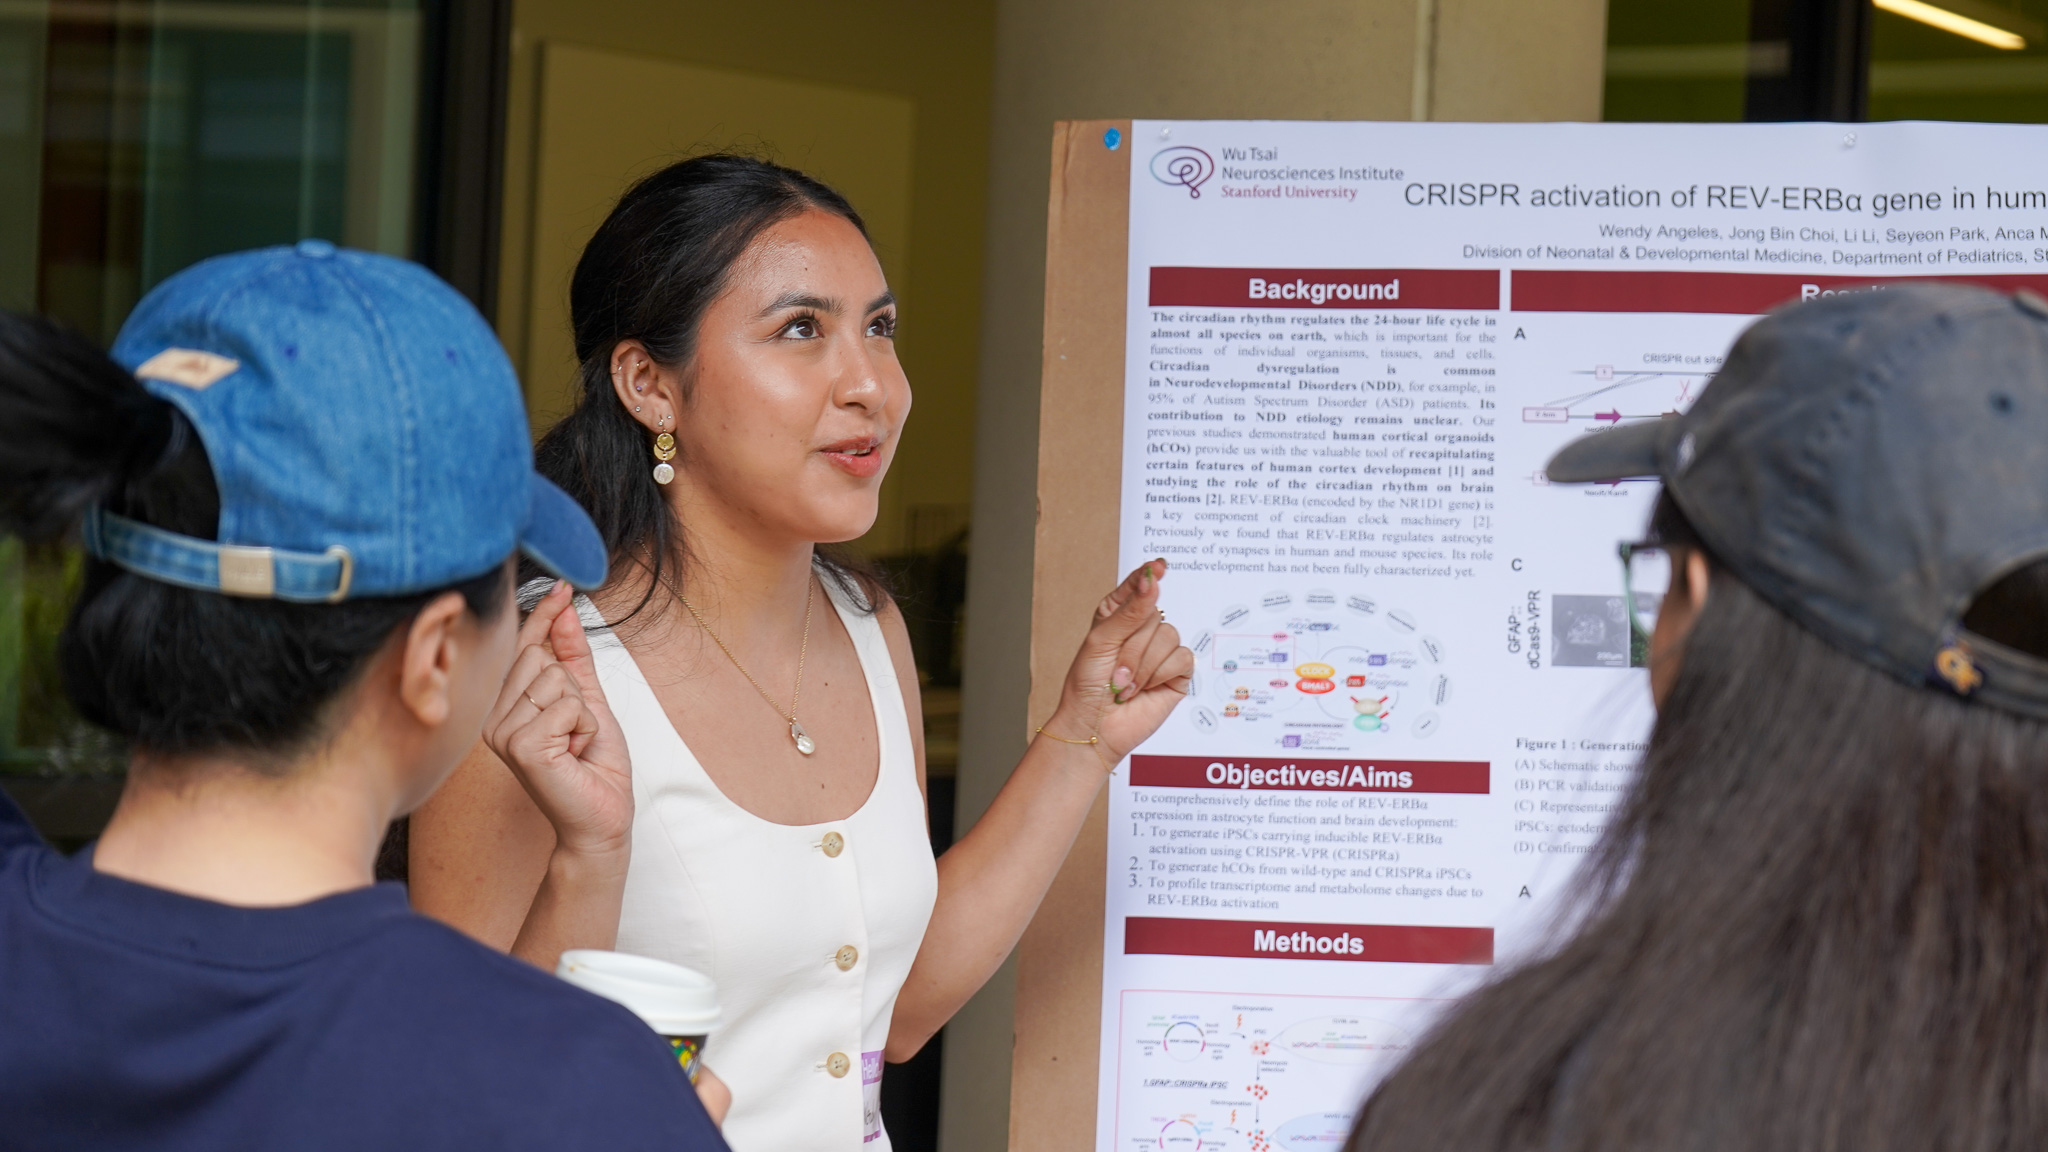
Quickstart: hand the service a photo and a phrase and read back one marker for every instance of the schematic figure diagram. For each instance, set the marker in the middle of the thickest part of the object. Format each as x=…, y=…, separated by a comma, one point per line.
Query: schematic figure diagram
x=1619, y=395
x=1320, y=671
x=1205, y=1072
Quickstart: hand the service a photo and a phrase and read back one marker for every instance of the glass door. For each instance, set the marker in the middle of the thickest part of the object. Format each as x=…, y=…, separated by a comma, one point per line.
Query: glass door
x=1981, y=60
x=173, y=130
x=140, y=136
x=1959, y=60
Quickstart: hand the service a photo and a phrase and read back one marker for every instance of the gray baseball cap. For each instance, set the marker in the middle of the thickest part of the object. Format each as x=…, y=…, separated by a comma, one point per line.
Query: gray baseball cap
x=1869, y=464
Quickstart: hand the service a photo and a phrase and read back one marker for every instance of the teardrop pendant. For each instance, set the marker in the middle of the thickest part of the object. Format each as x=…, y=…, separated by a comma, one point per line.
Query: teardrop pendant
x=804, y=743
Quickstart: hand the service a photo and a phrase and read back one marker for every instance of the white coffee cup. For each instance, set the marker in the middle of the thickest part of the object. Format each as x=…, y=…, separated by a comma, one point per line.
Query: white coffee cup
x=680, y=1003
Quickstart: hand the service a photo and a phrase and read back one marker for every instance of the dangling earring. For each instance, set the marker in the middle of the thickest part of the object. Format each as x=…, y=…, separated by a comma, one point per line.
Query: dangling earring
x=664, y=451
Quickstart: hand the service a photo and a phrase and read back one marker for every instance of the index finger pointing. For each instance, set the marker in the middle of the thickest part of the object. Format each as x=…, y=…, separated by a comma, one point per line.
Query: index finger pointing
x=1133, y=587
x=1117, y=621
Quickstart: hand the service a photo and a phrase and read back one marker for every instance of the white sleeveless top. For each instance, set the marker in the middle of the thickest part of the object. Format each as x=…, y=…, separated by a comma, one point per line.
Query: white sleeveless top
x=809, y=930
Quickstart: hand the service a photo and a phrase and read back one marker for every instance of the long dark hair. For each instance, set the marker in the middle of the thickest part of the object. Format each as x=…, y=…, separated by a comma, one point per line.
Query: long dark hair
x=1819, y=921
x=170, y=670
x=649, y=273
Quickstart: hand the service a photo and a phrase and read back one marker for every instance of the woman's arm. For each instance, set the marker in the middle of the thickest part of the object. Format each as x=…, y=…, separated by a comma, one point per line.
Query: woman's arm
x=531, y=858
x=904, y=661
x=479, y=848
x=1129, y=675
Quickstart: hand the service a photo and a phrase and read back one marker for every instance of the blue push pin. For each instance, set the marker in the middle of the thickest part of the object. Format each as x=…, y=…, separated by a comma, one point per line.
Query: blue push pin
x=1111, y=139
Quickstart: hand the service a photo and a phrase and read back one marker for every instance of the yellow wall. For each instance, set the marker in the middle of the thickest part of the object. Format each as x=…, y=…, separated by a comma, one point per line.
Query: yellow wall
x=910, y=82
x=606, y=118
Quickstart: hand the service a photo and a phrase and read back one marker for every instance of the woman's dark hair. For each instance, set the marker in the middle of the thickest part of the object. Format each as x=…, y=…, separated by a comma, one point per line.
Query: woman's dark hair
x=1818, y=920
x=171, y=670
x=649, y=274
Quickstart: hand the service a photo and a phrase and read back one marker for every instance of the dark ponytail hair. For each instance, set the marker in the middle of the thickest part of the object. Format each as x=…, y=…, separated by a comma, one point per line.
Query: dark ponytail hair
x=170, y=670
x=1819, y=919
x=649, y=273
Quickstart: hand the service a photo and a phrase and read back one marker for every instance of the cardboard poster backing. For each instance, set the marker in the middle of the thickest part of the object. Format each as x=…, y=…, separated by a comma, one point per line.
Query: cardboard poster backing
x=1080, y=466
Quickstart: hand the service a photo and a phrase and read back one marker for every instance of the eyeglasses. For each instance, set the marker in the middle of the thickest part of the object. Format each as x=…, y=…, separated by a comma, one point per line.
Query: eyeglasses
x=1646, y=577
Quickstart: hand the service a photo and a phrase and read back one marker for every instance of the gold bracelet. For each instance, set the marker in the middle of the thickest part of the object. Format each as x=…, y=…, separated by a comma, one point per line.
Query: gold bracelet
x=1064, y=740
x=1092, y=741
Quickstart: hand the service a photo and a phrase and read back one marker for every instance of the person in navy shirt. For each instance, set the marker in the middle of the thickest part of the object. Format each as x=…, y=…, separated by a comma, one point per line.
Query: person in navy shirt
x=301, y=479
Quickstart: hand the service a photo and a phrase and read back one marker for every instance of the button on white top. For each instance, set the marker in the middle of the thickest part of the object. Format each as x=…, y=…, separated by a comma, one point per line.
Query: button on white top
x=834, y=843
x=763, y=910
x=846, y=957
x=837, y=1064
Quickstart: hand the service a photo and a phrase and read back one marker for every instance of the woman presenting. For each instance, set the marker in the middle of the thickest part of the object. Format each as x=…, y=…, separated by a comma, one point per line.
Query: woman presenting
x=741, y=399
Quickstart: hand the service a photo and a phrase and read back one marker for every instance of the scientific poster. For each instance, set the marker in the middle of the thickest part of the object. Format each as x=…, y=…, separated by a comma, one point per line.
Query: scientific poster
x=1351, y=349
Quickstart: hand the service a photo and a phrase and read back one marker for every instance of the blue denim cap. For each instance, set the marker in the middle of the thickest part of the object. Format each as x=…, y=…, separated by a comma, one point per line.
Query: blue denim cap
x=366, y=433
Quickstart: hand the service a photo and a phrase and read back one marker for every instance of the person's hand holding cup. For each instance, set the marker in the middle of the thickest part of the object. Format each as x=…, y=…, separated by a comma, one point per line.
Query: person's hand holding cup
x=679, y=1003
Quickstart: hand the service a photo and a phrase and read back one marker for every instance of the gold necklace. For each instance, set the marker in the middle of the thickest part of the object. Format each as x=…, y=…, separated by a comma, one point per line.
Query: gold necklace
x=804, y=743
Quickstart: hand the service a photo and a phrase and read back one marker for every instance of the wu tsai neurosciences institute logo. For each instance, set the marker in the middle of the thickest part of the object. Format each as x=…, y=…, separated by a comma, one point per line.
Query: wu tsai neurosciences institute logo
x=1183, y=167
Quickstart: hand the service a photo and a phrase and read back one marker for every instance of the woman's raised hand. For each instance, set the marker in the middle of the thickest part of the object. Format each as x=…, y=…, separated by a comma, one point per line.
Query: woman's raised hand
x=552, y=727
x=1130, y=673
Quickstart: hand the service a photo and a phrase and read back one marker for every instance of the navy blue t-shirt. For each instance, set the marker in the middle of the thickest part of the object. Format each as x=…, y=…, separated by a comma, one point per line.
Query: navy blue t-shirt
x=133, y=1017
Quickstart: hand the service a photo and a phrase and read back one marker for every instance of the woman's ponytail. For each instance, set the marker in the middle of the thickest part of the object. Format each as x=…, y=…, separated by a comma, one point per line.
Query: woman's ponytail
x=77, y=428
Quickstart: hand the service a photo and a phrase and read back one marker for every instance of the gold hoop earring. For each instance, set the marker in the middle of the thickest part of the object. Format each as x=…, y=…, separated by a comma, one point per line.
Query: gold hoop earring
x=664, y=451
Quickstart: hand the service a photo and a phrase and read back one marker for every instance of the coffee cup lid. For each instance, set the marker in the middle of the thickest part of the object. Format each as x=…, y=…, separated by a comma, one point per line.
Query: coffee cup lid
x=672, y=999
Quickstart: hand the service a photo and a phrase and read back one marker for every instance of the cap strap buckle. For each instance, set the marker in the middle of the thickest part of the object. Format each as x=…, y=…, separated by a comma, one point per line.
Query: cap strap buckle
x=231, y=569
x=1954, y=665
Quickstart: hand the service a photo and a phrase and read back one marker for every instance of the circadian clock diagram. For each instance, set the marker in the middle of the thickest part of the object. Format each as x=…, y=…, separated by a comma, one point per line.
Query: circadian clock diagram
x=1323, y=669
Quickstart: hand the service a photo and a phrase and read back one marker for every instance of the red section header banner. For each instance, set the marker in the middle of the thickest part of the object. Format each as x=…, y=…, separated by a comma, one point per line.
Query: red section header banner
x=1456, y=776
x=1326, y=288
x=1261, y=940
x=1729, y=293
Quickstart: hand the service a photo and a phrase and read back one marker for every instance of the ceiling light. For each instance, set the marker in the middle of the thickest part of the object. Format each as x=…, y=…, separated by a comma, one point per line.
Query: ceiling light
x=1949, y=21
